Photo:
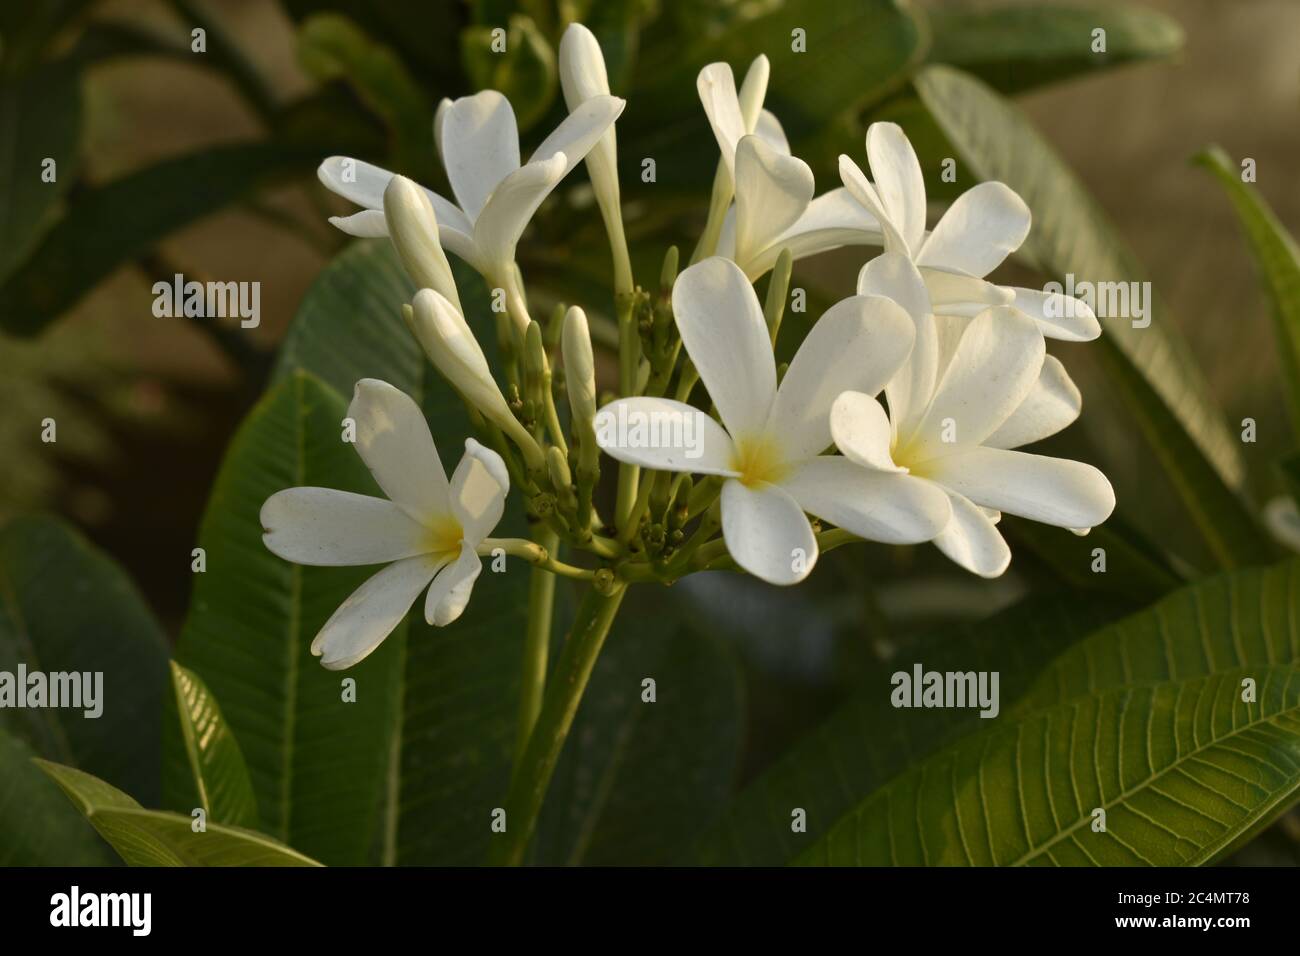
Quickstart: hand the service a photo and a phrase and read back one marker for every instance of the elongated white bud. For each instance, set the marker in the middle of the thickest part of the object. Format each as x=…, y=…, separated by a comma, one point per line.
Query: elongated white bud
x=579, y=368
x=582, y=76
x=450, y=345
x=413, y=227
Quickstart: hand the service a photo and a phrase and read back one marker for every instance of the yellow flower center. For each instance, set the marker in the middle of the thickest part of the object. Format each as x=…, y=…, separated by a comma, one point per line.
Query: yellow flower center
x=443, y=535
x=758, y=460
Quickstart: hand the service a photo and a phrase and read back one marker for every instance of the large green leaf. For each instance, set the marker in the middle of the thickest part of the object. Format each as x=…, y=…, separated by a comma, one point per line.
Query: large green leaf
x=37, y=827
x=218, y=775
x=638, y=780
x=1152, y=368
x=1184, y=772
x=1278, y=261
x=113, y=224
x=868, y=741
x=451, y=739
x=317, y=761
x=155, y=838
x=857, y=50
x=1242, y=619
x=1014, y=47
x=66, y=608
x=40, y=116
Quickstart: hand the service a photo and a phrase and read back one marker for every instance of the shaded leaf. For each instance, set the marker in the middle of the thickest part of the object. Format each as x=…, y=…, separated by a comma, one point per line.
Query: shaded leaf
x=1278, y=261
x=638, y=780
x=1015, y=47
x=37, y=827
x=867, y=742
x=1184, y=772
x=66, y=608
x=155, y=838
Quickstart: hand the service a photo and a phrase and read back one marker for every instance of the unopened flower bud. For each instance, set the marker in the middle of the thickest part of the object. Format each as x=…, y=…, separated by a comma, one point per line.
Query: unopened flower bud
x=450, y=345
x=413, y=228
x=582, y=76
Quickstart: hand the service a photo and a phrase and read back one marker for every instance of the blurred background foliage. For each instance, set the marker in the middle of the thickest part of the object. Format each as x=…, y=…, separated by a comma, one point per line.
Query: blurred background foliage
x=203, y=163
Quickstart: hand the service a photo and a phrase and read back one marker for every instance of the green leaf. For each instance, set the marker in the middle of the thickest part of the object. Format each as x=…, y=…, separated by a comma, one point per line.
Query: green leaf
x=868, y=741
x=1152, y=368
x=331, y=46
x=855, y=53
x=67, y=608
x=1184, y=770
x=639, y=780
x=452, y=735
x=217, y=772
x=1135, y=568
x=40, y=114
x=526, y=71
x=317, y=762
x=155, y=838
x=1242, y=619
x=37, y=827
x=1278, y=260
x=1021, y=46
x=113, y=224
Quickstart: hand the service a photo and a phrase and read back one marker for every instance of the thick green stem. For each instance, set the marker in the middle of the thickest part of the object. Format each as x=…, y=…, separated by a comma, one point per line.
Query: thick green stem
x=533, y=771
x=629, y=355
x=537, y=641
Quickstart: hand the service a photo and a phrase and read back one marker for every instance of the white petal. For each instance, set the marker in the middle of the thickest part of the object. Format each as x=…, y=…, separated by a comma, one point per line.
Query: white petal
x=1055, y=491
x=1059, y=316
x=767, y=533
x=753, y=90
x=364, y=185
x=723, y=330
x=393, y=440
x=366, y=224
x=893, y=276
x=980, y=229
x=832, y=220
x=857, y=345
x=510, y=208
x=478, y=491
x=879, y=506
x=480, y=146
x=328, y=528
x=860, y=429
x=861, y=189
x=972, y=540
x=994, y=367
x=452, y=587
x=372, y=611
x=665, y=435
x=717, y=88
x=1053, y=403
x=899, y=183
x=772, y=191
x=579, y=132
x=957, y=293
x=770, y=130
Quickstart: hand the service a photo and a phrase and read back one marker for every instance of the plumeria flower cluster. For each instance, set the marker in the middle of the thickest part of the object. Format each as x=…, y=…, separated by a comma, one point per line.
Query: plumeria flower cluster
x=898, y=420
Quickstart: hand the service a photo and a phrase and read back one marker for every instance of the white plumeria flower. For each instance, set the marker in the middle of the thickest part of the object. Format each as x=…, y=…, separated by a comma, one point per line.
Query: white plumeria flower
x=428, y=528
x=495, y=196
x=770, y=443
x=964, y=398
x=1282, y=519
x=774, y=207
x=979, y=230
